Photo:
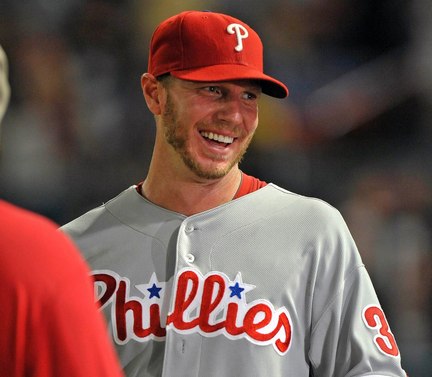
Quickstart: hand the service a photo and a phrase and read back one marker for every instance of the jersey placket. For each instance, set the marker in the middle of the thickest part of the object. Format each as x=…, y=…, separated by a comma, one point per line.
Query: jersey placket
x=183, y=347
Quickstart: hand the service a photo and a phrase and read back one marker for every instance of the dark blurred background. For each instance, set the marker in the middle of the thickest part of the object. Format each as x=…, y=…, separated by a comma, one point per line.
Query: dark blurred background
x=356, y=130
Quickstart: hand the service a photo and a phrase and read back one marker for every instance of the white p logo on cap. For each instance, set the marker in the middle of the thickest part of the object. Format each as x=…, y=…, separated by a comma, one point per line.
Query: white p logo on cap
x=241, y=33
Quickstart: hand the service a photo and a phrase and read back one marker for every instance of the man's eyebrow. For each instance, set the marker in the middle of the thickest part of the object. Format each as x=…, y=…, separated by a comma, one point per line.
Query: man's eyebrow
x=248, y=85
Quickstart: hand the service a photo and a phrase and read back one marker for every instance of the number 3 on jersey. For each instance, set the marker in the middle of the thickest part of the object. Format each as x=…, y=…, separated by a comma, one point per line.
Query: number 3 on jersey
x=374, y=318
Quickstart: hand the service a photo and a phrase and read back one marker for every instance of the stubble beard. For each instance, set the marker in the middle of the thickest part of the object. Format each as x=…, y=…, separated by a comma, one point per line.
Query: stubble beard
x=179, y=142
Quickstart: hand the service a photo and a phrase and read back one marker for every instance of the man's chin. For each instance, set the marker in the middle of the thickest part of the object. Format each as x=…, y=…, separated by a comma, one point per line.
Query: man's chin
x=213, y=172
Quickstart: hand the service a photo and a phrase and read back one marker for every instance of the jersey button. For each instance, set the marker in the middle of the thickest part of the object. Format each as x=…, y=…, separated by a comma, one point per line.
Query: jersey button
x=190, y=258
x=189, y=228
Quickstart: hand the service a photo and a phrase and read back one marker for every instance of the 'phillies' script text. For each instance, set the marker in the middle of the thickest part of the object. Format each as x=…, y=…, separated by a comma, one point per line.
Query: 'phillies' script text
x=209, y=305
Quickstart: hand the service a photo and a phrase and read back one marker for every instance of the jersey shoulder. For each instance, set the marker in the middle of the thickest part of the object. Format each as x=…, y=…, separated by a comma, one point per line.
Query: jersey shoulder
x=288, y=203
x=313, y=221
x=128, y=211
x=99, y=217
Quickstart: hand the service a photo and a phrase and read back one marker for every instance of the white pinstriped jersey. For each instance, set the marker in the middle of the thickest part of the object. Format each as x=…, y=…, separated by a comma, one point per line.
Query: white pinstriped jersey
x=270, y=284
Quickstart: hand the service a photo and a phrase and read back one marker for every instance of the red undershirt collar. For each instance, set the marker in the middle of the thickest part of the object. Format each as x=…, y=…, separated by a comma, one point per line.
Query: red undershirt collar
x=248, y=185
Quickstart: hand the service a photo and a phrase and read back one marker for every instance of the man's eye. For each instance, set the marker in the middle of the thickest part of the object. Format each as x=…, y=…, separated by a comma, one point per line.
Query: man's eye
x=251, y=96
x=213, y=89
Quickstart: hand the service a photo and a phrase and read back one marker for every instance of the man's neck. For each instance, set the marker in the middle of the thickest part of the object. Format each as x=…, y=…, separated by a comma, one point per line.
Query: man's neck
x=190, y=197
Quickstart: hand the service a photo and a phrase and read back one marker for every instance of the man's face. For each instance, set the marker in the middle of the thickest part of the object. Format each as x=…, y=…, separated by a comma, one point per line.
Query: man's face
x=210, y=125
x=4, y=84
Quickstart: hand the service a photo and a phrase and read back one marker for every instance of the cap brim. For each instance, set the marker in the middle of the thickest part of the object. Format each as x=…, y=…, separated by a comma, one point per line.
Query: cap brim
x=230, y=72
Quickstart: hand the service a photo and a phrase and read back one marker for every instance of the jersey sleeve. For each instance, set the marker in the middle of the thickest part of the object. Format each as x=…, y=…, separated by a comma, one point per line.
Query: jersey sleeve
x=352, y=337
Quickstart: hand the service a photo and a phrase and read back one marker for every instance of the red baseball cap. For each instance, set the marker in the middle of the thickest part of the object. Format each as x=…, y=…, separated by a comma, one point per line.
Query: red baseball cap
x=207, y=46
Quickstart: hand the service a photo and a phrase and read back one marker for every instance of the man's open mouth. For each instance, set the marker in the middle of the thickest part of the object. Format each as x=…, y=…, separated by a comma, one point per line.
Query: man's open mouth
x=217, y=138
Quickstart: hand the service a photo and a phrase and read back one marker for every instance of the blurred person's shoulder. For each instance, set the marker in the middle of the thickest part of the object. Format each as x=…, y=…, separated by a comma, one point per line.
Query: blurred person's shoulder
x=12, y=215
x=33, y=252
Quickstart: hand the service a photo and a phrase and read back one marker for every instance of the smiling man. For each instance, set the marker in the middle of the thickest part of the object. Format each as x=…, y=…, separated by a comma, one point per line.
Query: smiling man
x=203, y=270
x=203, y=131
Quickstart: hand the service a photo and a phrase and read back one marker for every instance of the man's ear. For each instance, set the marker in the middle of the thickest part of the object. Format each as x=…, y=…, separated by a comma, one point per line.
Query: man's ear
x=152, y=93
x=4, y=83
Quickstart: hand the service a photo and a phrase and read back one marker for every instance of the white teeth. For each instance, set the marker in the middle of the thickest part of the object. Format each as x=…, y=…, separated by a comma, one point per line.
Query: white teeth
x=219, y=138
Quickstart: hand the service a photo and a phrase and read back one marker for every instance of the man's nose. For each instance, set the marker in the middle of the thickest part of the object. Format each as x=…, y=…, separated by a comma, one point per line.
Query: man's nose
x=230, y=111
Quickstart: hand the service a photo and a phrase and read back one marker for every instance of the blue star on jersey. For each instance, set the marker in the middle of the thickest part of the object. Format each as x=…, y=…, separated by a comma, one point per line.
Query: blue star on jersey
x=154, y=291
x=236, y=290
